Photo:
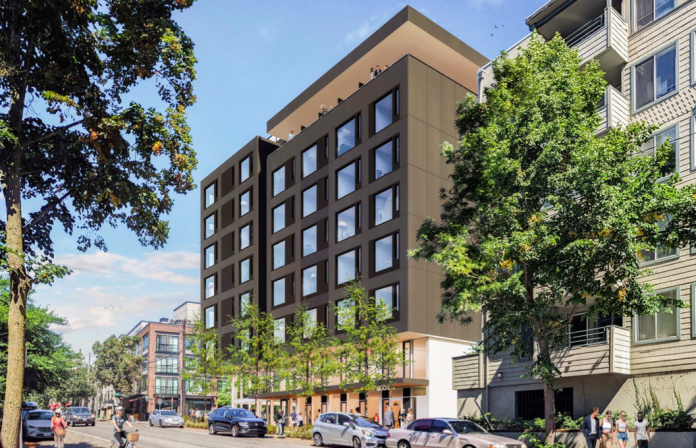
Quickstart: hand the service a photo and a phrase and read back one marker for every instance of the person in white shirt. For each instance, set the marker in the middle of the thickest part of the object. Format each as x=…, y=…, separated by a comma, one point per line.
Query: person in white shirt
x=291, y=135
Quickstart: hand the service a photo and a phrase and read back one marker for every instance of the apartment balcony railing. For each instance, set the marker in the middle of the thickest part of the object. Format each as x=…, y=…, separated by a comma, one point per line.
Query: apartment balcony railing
x=613, y=109
x=604, y=38
x=595, y=351
x=167, y=348
x=166, y=369
x=165, y=390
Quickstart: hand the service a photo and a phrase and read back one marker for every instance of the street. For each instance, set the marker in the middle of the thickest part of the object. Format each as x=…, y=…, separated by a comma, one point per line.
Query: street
x=100, y=435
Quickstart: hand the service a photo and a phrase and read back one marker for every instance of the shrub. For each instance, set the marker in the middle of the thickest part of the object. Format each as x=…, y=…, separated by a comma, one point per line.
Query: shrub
x=272, y=429
x=535, y=442
x=305, y=432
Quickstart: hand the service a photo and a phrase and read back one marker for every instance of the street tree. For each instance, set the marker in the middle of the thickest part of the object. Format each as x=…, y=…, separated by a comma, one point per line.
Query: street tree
x=205, y=366
x=95, y=155
x=117, y=363
x=312, y=360
x=76, y=387
x=368, y=351
x=544, y=218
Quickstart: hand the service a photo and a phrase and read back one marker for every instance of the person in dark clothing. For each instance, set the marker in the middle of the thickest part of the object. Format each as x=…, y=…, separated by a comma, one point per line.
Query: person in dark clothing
x=590, y=428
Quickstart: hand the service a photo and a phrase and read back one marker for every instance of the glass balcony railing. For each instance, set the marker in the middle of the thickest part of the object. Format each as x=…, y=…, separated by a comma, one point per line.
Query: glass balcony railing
x=167, y=348
x=166, y=369
x=166, y=390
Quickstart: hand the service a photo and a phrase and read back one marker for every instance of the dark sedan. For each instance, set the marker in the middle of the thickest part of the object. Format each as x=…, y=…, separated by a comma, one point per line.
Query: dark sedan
x=237, y=422
x=78, y=415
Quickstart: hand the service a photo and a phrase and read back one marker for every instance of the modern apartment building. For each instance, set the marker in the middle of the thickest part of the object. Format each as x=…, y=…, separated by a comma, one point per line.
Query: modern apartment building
x=165, y=346
x=347, y=193
x=646, y=48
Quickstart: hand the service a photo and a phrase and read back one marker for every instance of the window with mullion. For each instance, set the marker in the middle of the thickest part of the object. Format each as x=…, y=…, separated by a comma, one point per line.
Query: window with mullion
x=348, y=135
x=348, y=222
x=655, y=77
x=309, y=200
x=386, y=252
x=245, y=169
x=309, y=161
x=348, y=265
x=310, y=280
x=389, y=297
x=279, y=181
x=661, y=250
x=386, y=205
x=386, y=158
x=662, y=326
x=348, y=179
x=279, y=255
x=647, y=11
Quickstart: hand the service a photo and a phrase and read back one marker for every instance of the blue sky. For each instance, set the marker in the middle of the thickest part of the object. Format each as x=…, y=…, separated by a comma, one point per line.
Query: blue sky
x=254, y=58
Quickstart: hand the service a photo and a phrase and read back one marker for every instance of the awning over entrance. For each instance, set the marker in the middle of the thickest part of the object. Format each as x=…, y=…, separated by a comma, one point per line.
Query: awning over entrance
x=399, y=383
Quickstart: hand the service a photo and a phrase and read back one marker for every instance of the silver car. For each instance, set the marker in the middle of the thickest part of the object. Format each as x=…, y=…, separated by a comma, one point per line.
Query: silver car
x=342, y=428
x=447, y=432
x=166, y=418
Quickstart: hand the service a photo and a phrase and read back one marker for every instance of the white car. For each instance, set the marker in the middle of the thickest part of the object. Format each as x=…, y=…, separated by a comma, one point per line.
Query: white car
x=37, y=424
x=166, y=418
x=447, y=432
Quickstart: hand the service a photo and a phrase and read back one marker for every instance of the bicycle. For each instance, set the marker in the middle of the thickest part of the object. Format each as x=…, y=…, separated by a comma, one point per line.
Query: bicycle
x=60, y=435
x=131, y=438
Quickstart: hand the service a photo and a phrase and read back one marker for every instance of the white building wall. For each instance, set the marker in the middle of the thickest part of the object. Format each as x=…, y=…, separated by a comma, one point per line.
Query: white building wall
x=441, y=399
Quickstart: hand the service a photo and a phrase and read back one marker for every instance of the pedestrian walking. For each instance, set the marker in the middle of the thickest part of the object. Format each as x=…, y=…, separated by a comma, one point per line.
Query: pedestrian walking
x=641, y=432
x=293, y=419
x=409, y=416
x=199, y=416
x=300, y=420
x=264, y=417
x=607, y=431
x=280, y=423
x=389, y=418
x=622, y=430
x=402, y=418
x=590, y=428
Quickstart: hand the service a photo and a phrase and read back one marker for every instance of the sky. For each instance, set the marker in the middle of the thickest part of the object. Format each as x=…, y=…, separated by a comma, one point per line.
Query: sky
x=254, y=58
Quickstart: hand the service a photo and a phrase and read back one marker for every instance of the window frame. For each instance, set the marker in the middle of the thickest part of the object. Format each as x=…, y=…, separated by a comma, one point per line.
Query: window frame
x=677, y=317
x=214, y=308
x=273, y=292
x=672, y=257
x=663, y=49
x=396, y=299
x=357, y=132
x=205, y=225
x=395, y=247
x=316, y=201
x=315, y=146
x=251, y=235
x=273, y=181
x=395, y=205
x=273, y=255
x=212, y=185
x=316, y=239
x=247, y=191
x=357, y=175
x=358, y=265
x=357, y=230
x=251, y=270
x=675, y=144
x=205, y=252
x=242, y=179
x=205, y=286
x=395, y=156
x=273, y=217
x=284, y=328
x=634, y=21
x=316, y=285
x=395, y=104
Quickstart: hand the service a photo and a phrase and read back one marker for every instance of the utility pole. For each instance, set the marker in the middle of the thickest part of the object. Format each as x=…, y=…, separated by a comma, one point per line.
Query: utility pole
x=181, y=368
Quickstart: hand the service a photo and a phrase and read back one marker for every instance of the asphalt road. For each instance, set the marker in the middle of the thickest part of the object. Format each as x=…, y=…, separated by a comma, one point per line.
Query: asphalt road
x=100, y=436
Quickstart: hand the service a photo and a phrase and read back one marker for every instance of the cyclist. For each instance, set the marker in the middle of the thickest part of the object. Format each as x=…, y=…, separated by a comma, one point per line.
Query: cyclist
x=118, y=421
x=57, y=422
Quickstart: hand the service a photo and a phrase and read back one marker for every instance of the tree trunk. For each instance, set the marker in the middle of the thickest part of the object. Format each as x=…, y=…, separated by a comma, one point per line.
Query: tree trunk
x=549, y=399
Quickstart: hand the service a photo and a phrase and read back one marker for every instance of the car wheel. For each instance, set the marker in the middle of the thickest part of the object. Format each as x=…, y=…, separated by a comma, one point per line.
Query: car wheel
x=161, y=425
x=262, y=435
x=357, y=443
x=211, y=429
x=318, y=439
x=403, y=444
x=93, y=423
x=234, y=431
x=150, y=420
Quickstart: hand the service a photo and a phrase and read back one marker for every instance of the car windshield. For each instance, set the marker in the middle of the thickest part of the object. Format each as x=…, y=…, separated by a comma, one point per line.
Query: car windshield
x=80, y=410
x=466, y=427
x=365, y=422
x=46, y=415
x=241, y=413
x=170, y=413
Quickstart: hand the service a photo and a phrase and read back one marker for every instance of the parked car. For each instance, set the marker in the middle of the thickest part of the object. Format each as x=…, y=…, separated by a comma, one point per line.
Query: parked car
x=78, y=415
x=166, y=418
x=449, y=432
x=37, y=423
x=342, y=428
x=236, y=421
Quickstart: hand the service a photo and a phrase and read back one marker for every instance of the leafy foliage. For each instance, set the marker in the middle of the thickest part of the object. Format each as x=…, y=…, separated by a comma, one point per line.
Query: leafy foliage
x=647, y=402
x=205, y=366
x=116, y=363
x=544, y=218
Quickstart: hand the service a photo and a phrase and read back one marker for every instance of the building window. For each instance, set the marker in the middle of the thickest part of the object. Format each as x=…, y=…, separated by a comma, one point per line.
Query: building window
x=647, y=11
x=655, y=77
x=278, y=181
x=245, y=169
x=348, y=135
x=245, y=270
x=279, y=218
x=166, y=386
x=245, y=203
x=662, y=251
x=386, y=204
x=310, y=323
x=309, y=201
x=386, y=252
x=279, y=331
x=309, y=281
x=244, y=303
x=663, y=326
x=168, y=343
x=347, y=179
x=210, y=287
x=279, y=292
x=649, y=148
x=309, y=240
x=347, y=265
x=209, y=256
x=166, y=364
x=309, y=161
x=210, y=195
x=146, y=343
x=389, y=297
x=529, y=404
x=384, y=112
x=210, y=317
x=347, y=222
x=279, y=255
x=245, y=237
x=386, y=156
x=210, y=225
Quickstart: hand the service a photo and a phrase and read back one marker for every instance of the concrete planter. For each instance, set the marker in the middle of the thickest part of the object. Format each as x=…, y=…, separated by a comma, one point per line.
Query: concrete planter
x=659, y=439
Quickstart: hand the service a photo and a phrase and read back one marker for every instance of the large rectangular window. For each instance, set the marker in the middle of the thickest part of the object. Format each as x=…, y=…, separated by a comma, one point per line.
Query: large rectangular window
x=309, y=280
x=279, y=332
x=386, y=157
x=209, y=287
x=347, y=136
x=386, y=252
x=384, y=112
x=655, y=77
x=309, y=161
x=309, y=201
x=245, y=237
x=245, y=169
x=649, y=148
x=661, y=251
x=279, y=292
x=311, y=322
x=210, y=225
x=210, y=317
x=210, y=258
x=389, y=297
x=347, y=222
x=662, y=326
x=279, y=218
x=166, y=364
x=647, y=11
x=245, y=203
x=529, y=404
x=244, y=302
x=245, y=270
x=309, y=240
x=210, y=195
x=278, y=181
x=386, y=204
x=347, y=265
x=279, y=255
x=347, y=179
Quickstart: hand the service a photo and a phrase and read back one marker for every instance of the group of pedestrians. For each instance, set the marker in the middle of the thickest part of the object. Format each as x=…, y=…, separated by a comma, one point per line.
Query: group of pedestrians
x=293, y=420
x=404, y=417
x=374, y=72
x=609, y=431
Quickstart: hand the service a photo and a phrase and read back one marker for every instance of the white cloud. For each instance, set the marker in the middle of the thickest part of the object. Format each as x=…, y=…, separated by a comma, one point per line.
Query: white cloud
x=175, y=260
x=370, y=25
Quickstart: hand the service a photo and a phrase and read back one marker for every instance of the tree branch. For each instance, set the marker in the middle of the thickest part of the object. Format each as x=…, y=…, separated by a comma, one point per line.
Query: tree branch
x=58, y=131
x=45, y=211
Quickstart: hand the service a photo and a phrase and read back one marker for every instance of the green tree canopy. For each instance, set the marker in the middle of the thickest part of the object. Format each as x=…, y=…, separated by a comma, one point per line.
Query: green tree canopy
x=116, y=363
x=544, y=218
x=205, y=366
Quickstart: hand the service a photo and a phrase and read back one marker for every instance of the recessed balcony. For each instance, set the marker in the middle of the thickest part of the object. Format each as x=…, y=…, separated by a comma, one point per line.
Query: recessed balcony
x=595, y=351
x=614, y=110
